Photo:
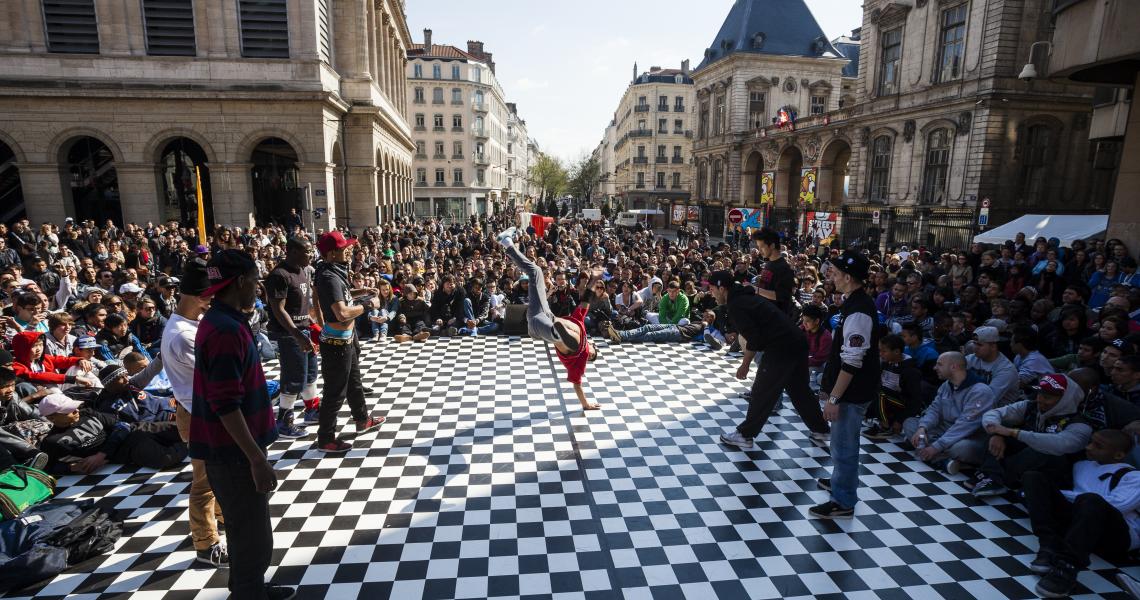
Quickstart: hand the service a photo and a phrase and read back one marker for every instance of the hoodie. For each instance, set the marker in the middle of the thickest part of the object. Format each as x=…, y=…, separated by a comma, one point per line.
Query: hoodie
x=960, y=409
x=47, y=370
x=1056, y=432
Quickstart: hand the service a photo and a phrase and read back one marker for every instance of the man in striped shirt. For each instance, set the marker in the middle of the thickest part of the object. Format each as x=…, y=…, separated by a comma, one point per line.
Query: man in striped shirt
x=232, y=423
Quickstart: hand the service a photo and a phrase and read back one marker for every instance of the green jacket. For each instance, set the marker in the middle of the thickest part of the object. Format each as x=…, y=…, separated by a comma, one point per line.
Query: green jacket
x=670, y=312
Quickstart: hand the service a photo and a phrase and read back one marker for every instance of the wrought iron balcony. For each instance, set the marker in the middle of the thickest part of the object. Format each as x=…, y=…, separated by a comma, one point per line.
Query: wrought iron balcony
x=641, y=160
x=641, y=108
x=640, y=133
x=661, y=160
x=678, y=160
x=640, y=185
x=480, y=132
x=479, y=106
x=481, y=159
x=678, y=108
x=421, y=155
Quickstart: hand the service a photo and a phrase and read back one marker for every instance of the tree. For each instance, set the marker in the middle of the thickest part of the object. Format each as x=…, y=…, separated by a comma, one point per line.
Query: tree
x=584, y=177
x=549, y=176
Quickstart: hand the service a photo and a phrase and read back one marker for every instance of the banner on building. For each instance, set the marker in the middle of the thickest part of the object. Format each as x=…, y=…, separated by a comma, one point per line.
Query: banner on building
x=768, y=187
x=694, y=214
x=821, y=226
x=808, y=179
x=678, y=215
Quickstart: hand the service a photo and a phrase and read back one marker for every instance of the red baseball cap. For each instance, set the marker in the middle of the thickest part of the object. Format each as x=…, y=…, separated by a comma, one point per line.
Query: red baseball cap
x=1053, y=384
x=333, y=240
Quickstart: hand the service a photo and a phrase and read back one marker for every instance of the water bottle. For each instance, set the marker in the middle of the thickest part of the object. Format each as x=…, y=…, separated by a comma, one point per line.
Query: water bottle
x=922, y=440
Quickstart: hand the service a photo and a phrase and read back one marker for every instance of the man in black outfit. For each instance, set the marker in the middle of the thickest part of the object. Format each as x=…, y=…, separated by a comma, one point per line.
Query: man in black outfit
x=777, y=280
x=447, y=311
x=784, y=365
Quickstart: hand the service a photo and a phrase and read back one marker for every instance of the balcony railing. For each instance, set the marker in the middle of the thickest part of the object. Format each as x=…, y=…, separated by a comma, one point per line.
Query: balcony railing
x=640, y=133
x=437, y=100
x=421, y=155
x=641, y=160
x=479, y=106
x=479, y=132
x=481, y=159
x=456, y=157
x=659, y=186
x=640, y=185
x=420, y=128
x=678, y=108
x=421, y=184
x=662, y=132
x=641, y=108
x=419, y=101
x=457, y=102
x=678, y=160
x=661, y=160
x=438, y=128
x=441, y=184
x=439, y=156
x=479, y=183
x=662, y=108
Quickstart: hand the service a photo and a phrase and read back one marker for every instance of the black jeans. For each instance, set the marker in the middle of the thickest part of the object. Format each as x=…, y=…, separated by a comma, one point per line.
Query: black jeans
x=780, y=369
x=1073, y=530
x=1021, y=459
x=340, y=366
x=249, y=534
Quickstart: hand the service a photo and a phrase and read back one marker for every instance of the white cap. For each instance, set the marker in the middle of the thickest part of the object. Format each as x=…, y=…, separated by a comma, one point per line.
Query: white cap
x=57, y=404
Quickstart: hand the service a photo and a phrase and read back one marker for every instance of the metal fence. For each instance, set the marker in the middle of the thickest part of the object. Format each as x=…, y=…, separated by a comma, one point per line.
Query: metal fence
x=930, y=226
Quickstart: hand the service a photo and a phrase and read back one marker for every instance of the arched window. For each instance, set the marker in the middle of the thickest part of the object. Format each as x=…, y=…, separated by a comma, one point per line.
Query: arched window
x=717, y=178
x=1036, y=158
x=702, y=180
x=936, y=167
x=880, y=168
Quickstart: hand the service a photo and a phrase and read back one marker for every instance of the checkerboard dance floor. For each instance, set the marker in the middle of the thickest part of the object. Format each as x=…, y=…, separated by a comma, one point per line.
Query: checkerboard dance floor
x=487, y=481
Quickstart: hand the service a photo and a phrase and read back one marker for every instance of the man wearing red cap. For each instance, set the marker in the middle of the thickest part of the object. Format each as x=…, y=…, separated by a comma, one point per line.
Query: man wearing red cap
x=340, y=350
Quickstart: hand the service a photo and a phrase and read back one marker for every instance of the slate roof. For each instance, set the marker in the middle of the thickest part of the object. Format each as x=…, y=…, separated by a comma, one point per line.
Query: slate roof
x=776, y=27
x=849, y=48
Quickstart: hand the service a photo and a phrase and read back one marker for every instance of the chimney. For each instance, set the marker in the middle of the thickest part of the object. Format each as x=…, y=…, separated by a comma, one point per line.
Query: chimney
x=685, y=66
x=635, y=71
x=427, y=41
x=490, y=63
x=856, y=34
x=475, y=48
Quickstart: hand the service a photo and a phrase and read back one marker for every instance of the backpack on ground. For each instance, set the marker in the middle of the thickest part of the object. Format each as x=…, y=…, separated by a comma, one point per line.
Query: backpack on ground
x=21, y=487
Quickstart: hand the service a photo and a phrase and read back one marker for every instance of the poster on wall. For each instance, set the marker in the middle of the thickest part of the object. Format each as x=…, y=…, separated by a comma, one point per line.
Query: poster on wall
x=694, y=214
x=768, y=187
x=808, y=179
x=822, y=227
x=678, y=215
x=753, y=218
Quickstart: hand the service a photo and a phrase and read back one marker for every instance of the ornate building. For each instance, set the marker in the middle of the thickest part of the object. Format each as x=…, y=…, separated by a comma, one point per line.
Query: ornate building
x=936, y=117
x=108, y=106
x=472, y=148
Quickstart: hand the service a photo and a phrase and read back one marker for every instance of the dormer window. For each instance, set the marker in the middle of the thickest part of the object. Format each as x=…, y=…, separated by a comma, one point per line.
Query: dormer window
x=758, y=40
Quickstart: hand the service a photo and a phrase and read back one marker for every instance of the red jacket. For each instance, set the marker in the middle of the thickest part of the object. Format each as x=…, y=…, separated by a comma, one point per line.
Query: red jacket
x=53, y=367
x=576, y=364
x=819, y=346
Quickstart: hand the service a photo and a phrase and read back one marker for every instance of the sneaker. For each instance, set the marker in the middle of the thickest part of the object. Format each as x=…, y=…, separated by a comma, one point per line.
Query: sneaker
x=369, y=425
x=746, y=394
x=713, y=343
x=735, y=438
x=1042, y=563
x=39, y=461
x=1059, y=582
x=611, y=333
x=1128, y=584
x=831, y=510
x=335, y=447
x=450, y=332
x=822, y=440
x=953, y=466
x=402, y=337
x=217, y=556
x=988, y=487
x=311, y=416
x=824, y=483
x=507, y=234
x=421, y=336
x=877, y=433
x=279, y=592
x=286, y=429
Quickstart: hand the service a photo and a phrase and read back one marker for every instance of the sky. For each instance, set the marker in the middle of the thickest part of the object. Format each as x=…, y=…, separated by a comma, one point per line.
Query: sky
x=566, y=64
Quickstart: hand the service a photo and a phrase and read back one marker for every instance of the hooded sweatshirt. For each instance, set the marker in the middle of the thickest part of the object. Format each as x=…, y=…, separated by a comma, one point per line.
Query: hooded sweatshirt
x=959, y=408
x=47, y=370
x=1056, y=432
x=1000, y=375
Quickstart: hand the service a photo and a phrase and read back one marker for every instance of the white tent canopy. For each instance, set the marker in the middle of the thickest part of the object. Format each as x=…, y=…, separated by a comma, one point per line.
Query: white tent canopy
x=1067, y=228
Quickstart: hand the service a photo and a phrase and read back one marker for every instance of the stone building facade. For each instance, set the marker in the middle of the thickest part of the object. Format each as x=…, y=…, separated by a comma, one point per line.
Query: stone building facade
x=939, y=118
x=653, y=140
x=108, y=107
x=472, y=149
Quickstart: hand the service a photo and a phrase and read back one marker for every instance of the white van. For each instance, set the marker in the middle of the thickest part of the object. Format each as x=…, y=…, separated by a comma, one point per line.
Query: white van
x=631, y=218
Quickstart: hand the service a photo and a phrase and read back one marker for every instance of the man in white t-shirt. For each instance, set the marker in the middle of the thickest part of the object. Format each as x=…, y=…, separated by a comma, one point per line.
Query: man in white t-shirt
x=178, y=360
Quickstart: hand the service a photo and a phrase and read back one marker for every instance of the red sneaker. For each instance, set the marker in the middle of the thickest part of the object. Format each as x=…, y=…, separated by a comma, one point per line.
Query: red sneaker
x=369, y=425
x=313, y=403
x=335, y=447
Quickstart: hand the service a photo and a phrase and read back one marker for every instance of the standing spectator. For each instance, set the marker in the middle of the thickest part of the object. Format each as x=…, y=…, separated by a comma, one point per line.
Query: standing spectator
x=776, y=280
x=288, y=290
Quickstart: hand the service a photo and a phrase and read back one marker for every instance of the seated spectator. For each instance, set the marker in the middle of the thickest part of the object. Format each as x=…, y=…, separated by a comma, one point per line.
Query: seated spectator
x=563, y=299
x=20, y=424
x=58, y=340
x=900, y=390
x=93, y=321
x=131, y=404
x=448, y=309
x=116, y=340
x=148, y=325
x=1112, y=353
x=1087, y=355
x=989, y=365
x=411, y=320
x=478, y=305
x=921, y=350
x=1033, y=435
x=33, y=366
x=949, y=433
x=381, y=318
x=1125, y=377
x=673, y=308
x=85, y=440
x=717, y=339
x=1099, y=513
x=1031, y=365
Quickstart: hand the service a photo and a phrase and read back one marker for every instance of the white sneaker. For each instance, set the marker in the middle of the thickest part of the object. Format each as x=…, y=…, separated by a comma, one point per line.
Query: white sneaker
x=823, y=440
x=507, y=234
x=733, y=437
x=1129, y=584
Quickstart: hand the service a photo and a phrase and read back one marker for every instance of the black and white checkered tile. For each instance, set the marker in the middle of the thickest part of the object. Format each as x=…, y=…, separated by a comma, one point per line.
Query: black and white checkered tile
x=487, y=481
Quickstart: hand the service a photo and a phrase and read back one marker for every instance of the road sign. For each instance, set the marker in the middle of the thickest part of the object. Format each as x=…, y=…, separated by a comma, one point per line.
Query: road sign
x=984, y=215
x=875, y=216
x=985, y=202
x=735, y=216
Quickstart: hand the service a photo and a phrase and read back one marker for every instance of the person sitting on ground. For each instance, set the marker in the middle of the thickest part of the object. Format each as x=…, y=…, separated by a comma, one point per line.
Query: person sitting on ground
x=34, y=367
x=85, y=440
x=921, y=350
x=900, y=391
x=673, y=309
x=21, y=426
x=949, y=433
x=448, y=308
x=1125, y=377
x=478, y=305
x=131, y=404
x=411, y=320
x=1033, y=435
x=148, y=325
x=1099, y=514
x=1031, y=365
x=713, y=336
x=989, y=365
x=116, y=340
x=649, y=333
x=1087, y=355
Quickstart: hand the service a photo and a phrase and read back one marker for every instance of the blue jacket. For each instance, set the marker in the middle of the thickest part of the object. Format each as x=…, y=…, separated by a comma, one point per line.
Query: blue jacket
x=959, y=409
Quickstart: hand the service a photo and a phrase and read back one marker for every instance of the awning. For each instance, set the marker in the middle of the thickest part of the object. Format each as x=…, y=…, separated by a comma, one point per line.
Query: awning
x=1067, y=228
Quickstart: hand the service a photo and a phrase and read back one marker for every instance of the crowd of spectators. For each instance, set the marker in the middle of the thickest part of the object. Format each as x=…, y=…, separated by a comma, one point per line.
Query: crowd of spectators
x=998, y=361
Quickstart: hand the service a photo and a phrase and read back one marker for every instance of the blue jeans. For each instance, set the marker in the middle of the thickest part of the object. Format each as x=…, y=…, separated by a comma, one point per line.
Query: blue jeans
x=652, y=334
x=265, y=347
x=298, y=368
x=468, y=310
x=845, y=454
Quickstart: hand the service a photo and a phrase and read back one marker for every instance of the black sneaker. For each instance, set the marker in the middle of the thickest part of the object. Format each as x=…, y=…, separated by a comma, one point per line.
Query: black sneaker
x=39, y=461
x=216, y=556
x=831, y=510
x=1059, y=582
x=877, y=434
x=989, y=487
x=279, y=592
x=1043, y=563
x=824, y=483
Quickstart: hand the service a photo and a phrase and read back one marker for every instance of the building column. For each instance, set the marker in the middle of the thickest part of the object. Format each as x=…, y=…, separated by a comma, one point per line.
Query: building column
x=1124, y=218
x=231, y=186
x=138, y=192
x=46, y=197
x=362, y=194
x=112, y=19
